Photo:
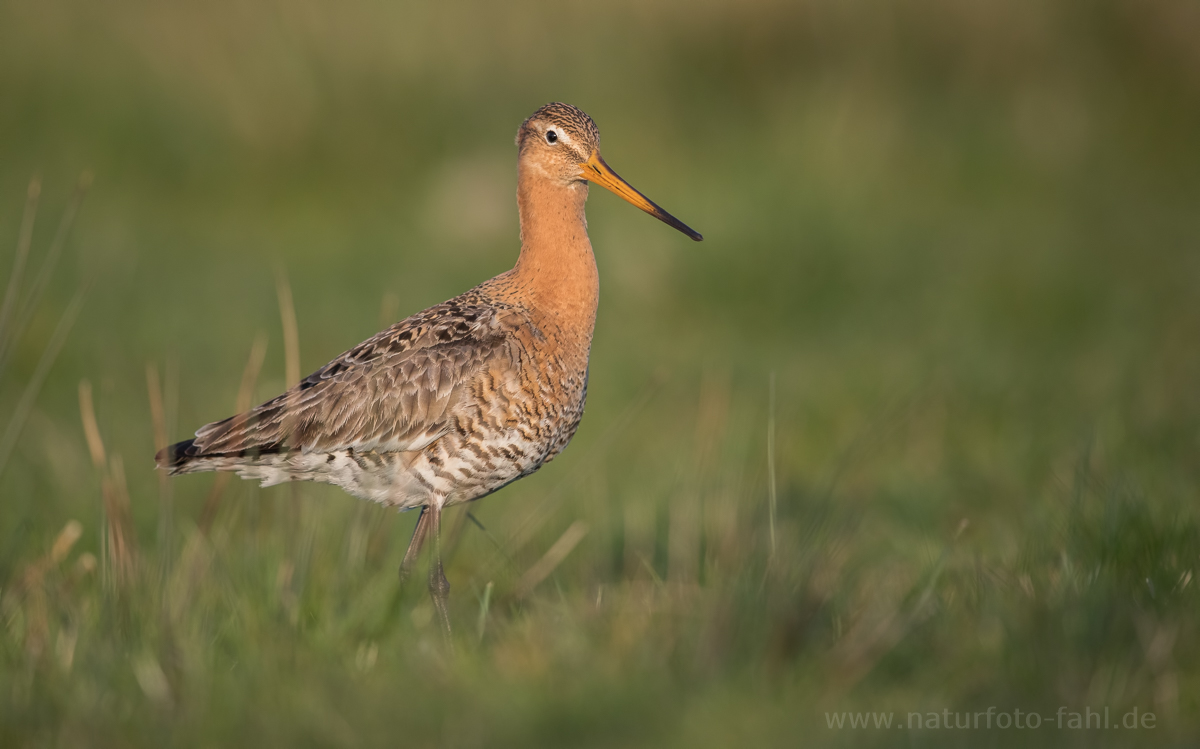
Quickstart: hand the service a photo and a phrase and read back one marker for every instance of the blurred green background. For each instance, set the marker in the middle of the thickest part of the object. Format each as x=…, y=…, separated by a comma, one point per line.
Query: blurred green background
x=962, y=237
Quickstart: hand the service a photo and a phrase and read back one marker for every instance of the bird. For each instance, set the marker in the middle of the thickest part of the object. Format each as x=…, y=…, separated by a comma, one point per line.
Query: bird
x=457, y=401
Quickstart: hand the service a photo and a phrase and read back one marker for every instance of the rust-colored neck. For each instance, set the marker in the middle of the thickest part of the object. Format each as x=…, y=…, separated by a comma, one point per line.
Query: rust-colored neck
x=556, y=272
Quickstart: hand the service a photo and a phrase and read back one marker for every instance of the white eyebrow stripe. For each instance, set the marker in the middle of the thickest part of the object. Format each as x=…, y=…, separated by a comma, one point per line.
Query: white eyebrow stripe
x=562, y=134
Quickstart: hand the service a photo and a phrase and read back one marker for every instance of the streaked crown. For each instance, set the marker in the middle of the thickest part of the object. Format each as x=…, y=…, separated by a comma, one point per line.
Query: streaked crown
x=581, y=132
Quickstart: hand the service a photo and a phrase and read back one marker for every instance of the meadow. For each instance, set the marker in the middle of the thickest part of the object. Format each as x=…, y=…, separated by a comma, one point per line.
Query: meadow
x=915, y=430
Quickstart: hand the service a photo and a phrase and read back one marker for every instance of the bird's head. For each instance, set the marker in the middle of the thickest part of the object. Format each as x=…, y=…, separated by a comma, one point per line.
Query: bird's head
x=561, y=143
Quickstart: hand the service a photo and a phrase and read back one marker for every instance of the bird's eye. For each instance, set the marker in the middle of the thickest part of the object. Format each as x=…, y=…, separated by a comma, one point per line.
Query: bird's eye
x=551, y=136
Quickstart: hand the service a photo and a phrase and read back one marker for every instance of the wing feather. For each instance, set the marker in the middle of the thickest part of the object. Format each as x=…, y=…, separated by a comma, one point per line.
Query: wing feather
x=395, y=392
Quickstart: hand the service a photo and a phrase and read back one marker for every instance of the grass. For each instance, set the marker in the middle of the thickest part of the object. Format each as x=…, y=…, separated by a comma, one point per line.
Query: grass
x=914, y=430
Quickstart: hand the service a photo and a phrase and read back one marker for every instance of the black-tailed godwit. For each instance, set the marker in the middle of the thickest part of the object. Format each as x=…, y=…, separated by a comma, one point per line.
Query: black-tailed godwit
x=455, y=402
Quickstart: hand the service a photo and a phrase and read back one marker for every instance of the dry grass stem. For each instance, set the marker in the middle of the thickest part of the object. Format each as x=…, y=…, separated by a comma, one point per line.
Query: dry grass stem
x=120, y=543
x=158, y=420
x=258, y=354
x=389, y=308
x=34, y=386
x=24, y=240
x=688, y=506
x=772, y=496
x=10, y=331
x=65, y=540
x=91, y=431
x=46, y=271
x=291, y=332
x=552, y=558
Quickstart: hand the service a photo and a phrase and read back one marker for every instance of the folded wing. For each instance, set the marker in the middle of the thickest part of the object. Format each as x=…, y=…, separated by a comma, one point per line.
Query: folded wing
x=395, y=392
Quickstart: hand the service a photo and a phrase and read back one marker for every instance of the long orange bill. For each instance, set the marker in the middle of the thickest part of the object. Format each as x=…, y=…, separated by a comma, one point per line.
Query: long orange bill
x=595, y=170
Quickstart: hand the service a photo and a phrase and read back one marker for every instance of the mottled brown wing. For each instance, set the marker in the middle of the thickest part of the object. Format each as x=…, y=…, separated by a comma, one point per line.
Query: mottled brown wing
x=394, y=392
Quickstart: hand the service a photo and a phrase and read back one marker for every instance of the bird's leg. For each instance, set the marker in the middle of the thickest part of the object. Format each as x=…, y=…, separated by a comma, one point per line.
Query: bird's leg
x=420, y=533
x=439, y=586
